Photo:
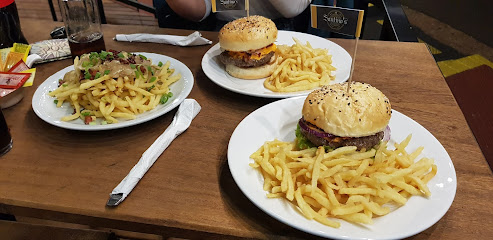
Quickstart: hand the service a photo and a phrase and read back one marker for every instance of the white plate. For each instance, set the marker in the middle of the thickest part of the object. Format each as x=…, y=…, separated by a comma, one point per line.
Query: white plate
x=46, y=109
x=279, y=119
x=214, y=69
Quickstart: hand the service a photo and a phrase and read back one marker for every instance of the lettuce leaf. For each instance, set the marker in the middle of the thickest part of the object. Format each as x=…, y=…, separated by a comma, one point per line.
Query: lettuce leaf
x=301, y=141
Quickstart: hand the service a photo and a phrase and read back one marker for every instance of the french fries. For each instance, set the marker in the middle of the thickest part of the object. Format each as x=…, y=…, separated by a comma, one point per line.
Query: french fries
x=344, y=183
x=301, y=68
x=114, y=96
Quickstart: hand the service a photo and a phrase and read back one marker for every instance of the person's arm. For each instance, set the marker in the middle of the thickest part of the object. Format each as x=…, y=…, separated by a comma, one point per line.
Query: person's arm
x=193, y=10
x=290, y=8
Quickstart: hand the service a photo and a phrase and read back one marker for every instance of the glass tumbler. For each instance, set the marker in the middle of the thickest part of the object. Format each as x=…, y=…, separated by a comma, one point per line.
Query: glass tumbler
x=5, y=137
x=83, y=26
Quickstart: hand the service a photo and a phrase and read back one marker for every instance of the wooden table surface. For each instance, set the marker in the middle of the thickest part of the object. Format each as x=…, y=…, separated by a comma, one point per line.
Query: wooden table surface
x=66, y=175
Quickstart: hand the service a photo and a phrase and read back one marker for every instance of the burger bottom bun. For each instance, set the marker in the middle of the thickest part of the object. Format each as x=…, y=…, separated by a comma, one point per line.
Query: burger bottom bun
x=253, y=72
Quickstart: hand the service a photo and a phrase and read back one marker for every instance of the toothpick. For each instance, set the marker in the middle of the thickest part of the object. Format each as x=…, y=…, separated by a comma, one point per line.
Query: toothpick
x=352, y=65
x=247, y=3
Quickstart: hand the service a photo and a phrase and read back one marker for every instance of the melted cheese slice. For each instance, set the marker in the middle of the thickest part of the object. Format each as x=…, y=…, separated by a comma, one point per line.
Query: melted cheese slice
x=256, y=54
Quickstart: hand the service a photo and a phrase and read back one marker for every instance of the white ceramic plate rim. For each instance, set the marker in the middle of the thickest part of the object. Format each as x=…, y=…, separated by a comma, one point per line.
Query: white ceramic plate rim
x=278, y=120
x=214, y=70
x=45, y=108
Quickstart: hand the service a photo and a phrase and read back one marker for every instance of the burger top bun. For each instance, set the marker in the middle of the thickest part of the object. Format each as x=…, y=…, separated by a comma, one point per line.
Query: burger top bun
x=248, y=33
x=364, y=112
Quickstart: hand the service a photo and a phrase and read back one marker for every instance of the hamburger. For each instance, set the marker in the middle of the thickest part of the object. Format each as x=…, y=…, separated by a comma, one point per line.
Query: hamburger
x=249, y=49
x=331, y=117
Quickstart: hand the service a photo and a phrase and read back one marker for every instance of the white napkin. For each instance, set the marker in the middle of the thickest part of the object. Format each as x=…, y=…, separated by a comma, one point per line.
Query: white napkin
x=193, y=39
x=187, y=111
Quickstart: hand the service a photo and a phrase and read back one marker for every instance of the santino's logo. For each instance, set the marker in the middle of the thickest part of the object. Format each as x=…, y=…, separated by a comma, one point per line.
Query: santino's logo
x=335, y=19
x=229, y=4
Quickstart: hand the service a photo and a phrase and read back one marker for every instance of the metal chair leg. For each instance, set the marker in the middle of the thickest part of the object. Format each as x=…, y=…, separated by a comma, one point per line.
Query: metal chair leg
x=52, y=9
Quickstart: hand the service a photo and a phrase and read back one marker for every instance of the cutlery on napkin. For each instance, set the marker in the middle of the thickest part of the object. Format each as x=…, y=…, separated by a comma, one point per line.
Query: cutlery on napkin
x=193, y=39
x=187, y=111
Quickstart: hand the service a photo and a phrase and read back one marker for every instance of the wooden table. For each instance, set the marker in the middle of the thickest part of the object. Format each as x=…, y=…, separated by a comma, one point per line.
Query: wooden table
x=65, y=175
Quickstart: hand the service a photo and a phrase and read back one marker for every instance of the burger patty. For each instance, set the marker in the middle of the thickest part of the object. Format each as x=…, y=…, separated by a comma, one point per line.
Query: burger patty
x=226, y=59
x=333, y=141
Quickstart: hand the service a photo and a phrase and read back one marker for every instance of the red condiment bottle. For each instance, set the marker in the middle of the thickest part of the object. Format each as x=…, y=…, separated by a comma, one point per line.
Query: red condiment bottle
x=10, y=27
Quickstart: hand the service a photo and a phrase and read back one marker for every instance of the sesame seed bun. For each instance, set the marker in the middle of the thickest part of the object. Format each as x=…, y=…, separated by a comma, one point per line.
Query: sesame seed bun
x=363, y=112
x=248, y=33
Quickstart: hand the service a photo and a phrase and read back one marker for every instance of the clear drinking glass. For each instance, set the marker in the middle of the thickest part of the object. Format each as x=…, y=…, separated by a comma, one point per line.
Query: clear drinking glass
x=5, y=137
x=83, y=26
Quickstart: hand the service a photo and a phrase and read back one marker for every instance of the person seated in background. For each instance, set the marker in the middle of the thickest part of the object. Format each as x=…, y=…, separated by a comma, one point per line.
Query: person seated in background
x=167, y=18
x=283, y=12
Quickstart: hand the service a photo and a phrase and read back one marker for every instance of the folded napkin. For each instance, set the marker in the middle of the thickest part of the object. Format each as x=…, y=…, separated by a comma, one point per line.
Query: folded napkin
x=187, y=111
x=193, y=39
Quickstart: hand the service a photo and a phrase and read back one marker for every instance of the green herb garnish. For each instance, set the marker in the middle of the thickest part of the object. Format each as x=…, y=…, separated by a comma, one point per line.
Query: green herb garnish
x=132, y=66
x=160, y=64
x=106, y=72
x=87, y=75
x=87, y=65
x=149, y=89
x=163, y=99
x=152, y=79
x=150, y=70
x=139, y=72
x=93, y=55
x=103, y=55
x=55, y=101
x=98, y=75
x=142, y=56
x=85, y=114
x=120, y=55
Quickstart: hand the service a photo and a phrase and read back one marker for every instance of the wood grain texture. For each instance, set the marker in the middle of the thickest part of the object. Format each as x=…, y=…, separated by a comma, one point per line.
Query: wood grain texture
x=67, y=175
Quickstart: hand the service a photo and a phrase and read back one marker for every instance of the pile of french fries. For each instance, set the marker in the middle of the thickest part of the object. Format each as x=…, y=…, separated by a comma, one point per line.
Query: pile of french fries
x=344, y=183
x=112, y=98
x=301, y=68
